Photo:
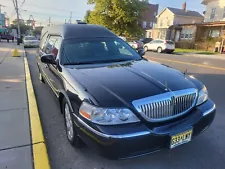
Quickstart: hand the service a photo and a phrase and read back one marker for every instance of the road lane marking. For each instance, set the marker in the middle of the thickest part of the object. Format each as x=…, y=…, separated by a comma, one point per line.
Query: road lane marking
x=40, y=155
x=187, y=63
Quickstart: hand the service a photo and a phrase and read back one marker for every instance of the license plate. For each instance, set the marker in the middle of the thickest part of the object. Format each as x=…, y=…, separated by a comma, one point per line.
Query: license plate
x=181, y=138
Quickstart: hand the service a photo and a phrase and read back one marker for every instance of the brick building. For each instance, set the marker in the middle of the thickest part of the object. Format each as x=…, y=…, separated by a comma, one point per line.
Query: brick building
x=149, y=16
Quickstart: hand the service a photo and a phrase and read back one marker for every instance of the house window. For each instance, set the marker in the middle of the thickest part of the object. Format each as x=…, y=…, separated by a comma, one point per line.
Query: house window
x=186, y=36
x=144, y=24
x=161, y=23
x=155, y=13
x=168, y=22
x=190, y=36
x=151, y=24
x=223, y=12
x=214, y=33
x=213, y=13
x=182, y=36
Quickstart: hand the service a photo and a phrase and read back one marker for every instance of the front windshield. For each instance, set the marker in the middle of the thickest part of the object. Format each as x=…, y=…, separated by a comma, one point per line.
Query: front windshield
x=98, y=50
x=30, y=38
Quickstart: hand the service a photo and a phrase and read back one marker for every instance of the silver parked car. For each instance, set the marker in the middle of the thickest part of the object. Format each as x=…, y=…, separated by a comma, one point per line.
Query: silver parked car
x=30, y=41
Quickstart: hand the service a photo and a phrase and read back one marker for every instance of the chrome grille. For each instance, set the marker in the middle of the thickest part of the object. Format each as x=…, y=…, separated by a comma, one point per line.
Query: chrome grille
x=166, y=106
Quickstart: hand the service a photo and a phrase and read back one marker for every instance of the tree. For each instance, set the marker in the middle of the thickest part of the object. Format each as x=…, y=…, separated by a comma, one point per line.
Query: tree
x=120, y=16
x=23, y=28
x=87, y=15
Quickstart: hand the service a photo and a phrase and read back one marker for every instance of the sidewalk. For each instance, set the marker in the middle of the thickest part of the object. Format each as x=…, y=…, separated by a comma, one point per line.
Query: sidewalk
x=16, y=142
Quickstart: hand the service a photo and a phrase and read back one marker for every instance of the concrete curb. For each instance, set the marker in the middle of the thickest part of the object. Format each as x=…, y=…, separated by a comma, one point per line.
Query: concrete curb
x=40, y=155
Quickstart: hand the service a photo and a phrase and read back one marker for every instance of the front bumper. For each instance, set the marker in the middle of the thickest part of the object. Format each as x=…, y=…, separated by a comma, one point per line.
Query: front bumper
x=31, y=45
x=127, y=141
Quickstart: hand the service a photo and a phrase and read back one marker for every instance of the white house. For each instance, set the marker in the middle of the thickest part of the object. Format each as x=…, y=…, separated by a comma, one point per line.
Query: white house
x=215, y=10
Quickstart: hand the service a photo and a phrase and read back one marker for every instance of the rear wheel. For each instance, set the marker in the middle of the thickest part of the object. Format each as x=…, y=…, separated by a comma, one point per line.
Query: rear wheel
x=170, y=52
x=72, y=136
x=159, y=50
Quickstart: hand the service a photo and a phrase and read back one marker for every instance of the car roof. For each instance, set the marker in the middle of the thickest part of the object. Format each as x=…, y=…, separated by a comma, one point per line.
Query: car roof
x=71, y=31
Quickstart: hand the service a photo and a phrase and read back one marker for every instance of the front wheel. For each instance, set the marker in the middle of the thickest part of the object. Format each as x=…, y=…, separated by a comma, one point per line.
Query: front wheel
x=41, y=78
x=146, y=48
x=72, y=136
x=159, y=50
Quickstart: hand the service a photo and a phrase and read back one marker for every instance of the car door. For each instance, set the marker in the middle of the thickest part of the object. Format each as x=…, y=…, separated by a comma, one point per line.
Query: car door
x=52, y=72
x=151, y=45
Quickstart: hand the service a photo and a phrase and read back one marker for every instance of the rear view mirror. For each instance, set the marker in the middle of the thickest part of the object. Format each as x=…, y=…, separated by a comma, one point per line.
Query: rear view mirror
x=141, y=52
x=48, y=59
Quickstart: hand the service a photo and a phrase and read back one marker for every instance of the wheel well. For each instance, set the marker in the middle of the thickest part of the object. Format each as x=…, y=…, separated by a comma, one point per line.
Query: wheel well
x=61, y=96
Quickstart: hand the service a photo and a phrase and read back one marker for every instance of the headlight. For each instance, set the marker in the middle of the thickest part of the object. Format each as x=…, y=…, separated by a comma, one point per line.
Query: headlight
x=202, y=96
x=105, y=116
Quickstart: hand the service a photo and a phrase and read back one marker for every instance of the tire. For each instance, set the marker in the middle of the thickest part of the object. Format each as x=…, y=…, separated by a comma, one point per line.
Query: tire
x=41, y=78
x=71, y=133
x=146, y=48
x=159, y=50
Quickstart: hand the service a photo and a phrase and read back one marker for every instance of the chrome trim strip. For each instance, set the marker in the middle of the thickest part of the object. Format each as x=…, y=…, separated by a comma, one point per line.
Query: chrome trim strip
x=112, y=136
x=209, y=111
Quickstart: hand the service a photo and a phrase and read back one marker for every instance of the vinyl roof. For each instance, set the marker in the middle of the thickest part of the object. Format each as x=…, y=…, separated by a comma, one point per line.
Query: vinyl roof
x=69, y=31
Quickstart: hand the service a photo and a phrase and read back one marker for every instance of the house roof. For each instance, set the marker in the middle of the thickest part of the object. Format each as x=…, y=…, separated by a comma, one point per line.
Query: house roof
x=205, y=2
x=182, y=12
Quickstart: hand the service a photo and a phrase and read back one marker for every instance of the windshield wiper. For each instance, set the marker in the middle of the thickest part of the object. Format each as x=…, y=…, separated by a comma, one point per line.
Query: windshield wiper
x=79, y=63
x=95, y=62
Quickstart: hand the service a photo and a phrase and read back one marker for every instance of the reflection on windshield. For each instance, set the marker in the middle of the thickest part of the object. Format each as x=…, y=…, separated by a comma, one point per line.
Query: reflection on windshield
x=99, y=50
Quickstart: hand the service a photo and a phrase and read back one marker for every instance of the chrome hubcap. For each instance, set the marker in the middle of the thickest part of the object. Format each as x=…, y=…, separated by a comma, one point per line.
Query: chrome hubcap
x=159, y=50
x=69, y=123
x=146, y=49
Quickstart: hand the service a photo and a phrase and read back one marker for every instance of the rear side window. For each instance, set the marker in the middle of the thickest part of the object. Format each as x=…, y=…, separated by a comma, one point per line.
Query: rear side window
x=52, y=45
x=43, y=40
x=169, y=42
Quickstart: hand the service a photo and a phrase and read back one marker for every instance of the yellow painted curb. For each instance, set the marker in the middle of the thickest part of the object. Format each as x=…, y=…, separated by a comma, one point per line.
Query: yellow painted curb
x=40, y=155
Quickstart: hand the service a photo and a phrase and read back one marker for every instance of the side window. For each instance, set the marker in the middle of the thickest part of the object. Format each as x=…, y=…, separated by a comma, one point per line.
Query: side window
x=43, y=40
x=52, y=45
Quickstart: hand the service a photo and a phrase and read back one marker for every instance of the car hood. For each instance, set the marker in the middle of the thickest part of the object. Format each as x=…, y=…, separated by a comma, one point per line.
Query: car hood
x=31, y=41
x=119, y=84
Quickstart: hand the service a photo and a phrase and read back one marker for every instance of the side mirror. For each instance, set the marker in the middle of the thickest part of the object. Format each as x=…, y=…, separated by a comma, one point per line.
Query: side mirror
x=141, y=52
x=48, y=59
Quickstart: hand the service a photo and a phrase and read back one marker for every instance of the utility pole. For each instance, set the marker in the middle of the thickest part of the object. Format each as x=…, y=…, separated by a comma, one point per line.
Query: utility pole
x=18, y=22
x=71, y=17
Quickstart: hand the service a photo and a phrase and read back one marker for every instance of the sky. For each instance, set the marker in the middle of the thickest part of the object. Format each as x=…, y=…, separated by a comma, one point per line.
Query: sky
x=59, y=10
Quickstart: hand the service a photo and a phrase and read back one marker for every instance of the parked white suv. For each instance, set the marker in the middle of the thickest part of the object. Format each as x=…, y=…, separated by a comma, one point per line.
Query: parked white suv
x=160, y=46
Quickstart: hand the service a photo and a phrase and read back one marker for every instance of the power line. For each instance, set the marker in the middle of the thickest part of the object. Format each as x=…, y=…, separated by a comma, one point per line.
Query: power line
x=40, y=13
x=56, y=9
x=22, y=4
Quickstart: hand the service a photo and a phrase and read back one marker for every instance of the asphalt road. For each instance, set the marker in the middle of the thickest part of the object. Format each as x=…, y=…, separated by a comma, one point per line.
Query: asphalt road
x=207, y=151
